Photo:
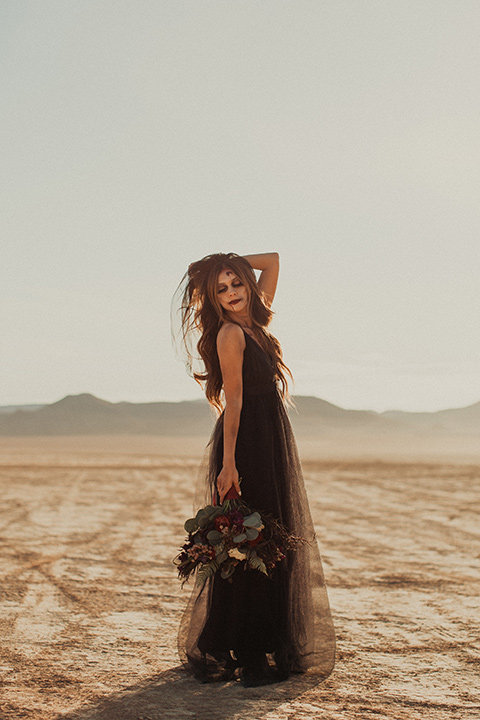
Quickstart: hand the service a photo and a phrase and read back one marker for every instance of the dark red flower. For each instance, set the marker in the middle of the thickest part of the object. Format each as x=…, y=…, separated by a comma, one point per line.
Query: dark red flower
x=221, y=521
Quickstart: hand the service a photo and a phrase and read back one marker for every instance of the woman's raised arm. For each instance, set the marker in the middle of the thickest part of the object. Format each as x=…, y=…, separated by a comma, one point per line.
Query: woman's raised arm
x=269, y=264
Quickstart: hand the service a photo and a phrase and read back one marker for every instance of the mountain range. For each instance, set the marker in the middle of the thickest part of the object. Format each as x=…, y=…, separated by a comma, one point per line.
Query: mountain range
x=86, y=414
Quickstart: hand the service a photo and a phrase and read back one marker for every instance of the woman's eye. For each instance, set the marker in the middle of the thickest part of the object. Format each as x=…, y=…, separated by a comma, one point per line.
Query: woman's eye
x=234, y=284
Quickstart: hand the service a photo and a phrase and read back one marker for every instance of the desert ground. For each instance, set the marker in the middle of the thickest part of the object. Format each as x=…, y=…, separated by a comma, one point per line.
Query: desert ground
x=90, y=600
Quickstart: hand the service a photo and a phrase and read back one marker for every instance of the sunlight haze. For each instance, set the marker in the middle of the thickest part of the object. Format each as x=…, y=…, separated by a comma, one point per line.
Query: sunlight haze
x=139, y=137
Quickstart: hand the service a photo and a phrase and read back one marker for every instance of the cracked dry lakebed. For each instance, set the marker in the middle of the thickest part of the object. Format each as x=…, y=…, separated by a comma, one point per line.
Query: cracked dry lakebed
x=90, y=600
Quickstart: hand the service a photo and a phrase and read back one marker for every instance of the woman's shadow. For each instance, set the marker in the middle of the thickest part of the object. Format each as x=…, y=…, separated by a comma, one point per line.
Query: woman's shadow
x=175, y=695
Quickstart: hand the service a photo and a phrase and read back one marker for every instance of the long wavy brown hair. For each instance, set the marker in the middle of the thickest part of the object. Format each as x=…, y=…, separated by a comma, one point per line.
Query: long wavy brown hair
x=202, y=316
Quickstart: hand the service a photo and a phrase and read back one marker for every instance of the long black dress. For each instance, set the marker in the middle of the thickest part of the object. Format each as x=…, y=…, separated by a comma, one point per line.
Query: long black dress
x=288, y=616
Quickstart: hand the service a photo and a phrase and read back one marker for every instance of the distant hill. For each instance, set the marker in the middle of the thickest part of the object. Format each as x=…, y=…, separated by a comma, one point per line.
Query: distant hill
x=312, y=415
x=466, y=419
x=14, y=408
x=86, y=414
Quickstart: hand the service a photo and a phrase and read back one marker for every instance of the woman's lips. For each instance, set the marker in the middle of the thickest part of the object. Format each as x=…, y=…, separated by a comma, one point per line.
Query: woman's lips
x=234, y=302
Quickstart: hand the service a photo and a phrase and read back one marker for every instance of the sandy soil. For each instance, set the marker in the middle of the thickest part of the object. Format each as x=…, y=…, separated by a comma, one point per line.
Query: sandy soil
x=90, y=601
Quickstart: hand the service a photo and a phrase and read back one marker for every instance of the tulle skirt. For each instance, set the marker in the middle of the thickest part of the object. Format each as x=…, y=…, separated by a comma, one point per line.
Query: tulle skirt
x=286, y=616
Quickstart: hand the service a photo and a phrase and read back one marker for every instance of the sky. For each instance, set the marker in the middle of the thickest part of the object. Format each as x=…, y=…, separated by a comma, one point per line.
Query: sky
x=140, y=135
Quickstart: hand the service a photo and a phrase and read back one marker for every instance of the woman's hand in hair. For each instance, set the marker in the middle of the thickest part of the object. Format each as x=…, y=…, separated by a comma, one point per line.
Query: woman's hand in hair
x=269, y=264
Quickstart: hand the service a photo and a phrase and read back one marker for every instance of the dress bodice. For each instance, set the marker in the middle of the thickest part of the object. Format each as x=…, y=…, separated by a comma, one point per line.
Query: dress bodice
x=258, y=371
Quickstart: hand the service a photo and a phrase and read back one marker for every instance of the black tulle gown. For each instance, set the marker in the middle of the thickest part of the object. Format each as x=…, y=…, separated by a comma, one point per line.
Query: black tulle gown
x=287, y=616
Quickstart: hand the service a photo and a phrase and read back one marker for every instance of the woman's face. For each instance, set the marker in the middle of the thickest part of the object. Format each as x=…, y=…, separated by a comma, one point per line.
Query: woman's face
x=232, y=293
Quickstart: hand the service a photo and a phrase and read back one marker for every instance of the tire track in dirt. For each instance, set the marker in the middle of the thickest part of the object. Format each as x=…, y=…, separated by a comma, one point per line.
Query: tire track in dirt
x=93, y=620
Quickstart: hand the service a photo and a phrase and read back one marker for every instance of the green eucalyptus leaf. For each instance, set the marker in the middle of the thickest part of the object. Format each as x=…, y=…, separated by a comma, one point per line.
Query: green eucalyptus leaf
x=253, y=520
x=190, y=525
x=221, y=556
x=200, y=513
x=240, y=538
x=214, y=537
x=251, y=533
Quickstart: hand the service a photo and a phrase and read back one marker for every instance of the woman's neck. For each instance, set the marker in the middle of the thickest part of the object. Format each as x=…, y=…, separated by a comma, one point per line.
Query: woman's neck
x=242, y=319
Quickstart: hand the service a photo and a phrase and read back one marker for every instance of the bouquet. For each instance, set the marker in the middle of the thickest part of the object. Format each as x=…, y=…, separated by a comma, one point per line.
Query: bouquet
x=220, y=537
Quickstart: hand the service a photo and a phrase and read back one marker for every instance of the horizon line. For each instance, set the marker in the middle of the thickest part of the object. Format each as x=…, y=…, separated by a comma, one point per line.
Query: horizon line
x=315, y=397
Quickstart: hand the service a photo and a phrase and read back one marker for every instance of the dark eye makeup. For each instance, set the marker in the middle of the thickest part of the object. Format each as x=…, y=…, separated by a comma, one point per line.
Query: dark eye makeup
x=235, y=284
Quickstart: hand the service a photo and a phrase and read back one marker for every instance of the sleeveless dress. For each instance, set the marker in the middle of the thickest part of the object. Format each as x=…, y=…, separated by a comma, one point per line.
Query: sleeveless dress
x=287, y=616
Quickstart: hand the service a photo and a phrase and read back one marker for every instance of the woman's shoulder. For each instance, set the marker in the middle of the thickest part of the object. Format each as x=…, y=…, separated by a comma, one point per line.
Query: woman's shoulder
x=230, y=332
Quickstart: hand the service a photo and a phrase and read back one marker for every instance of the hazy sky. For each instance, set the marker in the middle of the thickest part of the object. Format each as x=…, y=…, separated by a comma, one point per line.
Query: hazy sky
x=141, y=135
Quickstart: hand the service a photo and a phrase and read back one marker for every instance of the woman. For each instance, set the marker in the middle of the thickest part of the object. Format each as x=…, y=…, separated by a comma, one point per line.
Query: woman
x=265, y=627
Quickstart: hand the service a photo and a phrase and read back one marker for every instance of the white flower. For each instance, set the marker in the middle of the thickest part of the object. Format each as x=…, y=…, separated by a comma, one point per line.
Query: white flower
x=237, y=554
